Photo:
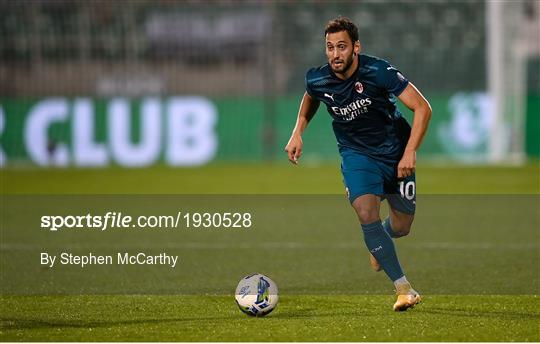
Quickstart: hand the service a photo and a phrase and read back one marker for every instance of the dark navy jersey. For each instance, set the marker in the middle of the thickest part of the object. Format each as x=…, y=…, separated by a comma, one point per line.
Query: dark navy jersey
x=363, y=107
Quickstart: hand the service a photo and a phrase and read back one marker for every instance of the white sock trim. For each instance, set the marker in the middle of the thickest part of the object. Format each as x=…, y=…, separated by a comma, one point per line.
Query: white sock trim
x=401, y=281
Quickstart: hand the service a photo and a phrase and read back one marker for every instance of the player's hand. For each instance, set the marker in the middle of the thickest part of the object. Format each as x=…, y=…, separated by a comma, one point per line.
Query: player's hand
x=294, y=148
x=407, y=164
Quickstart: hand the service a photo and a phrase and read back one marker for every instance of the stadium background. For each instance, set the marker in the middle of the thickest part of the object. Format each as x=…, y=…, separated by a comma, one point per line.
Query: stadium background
x=117, y=97
x=221, y=80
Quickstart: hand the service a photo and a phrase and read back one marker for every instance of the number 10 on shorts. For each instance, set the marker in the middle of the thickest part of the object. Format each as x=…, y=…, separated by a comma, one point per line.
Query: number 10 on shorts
x=407, y=189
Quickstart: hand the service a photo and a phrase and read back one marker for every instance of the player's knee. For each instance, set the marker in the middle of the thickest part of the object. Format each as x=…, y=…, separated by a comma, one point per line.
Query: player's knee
x=367, y=215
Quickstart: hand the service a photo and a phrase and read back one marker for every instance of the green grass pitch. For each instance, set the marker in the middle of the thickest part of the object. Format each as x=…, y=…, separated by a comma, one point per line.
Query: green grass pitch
x=297, y=318
x=473, y=254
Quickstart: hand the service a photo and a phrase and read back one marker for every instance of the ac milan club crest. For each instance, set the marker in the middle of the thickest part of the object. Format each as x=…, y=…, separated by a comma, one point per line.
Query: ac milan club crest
x=359, y=87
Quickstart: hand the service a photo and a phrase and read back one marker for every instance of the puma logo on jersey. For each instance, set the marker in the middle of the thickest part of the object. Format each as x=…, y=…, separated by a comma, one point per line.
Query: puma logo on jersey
x=331, y=96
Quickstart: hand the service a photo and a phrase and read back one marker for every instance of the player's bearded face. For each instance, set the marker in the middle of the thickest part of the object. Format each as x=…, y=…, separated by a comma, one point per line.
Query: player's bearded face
x=339, y=51
x=342, y=64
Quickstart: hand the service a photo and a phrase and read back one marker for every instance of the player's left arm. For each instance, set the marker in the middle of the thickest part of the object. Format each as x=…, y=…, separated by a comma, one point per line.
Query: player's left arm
x=414, y=100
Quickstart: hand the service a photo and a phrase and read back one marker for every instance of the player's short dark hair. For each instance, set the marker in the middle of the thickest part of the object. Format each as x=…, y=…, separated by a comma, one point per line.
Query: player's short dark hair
x=342, y=24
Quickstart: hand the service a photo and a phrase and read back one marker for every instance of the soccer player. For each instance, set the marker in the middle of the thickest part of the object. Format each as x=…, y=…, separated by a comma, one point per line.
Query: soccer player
x=376, y=144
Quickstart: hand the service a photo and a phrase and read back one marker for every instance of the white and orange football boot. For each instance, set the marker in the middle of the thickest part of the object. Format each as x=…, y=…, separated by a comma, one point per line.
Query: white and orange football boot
x=407, y=297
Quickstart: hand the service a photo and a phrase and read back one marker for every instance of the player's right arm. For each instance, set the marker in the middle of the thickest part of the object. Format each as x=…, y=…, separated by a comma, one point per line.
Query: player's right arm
x=308, y=108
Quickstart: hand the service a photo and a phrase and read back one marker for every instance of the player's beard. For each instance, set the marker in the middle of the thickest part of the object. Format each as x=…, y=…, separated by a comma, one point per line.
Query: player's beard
x=347, y=63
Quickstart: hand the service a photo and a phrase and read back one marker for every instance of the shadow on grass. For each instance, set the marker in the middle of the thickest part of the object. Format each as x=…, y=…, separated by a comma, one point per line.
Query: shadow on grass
x=26, y=323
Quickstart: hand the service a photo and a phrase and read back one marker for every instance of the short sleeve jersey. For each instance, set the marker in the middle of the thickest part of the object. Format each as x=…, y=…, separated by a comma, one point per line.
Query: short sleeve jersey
x=363, y=107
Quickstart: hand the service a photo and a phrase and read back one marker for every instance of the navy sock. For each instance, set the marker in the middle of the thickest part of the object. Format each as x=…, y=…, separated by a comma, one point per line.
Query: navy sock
x=382, y=248
x=387, y=225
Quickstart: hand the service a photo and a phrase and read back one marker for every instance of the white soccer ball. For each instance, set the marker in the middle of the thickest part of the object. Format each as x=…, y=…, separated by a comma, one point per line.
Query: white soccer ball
x=256, y=295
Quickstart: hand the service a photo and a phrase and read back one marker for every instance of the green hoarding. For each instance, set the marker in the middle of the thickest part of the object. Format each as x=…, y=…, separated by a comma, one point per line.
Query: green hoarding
x=185, y=131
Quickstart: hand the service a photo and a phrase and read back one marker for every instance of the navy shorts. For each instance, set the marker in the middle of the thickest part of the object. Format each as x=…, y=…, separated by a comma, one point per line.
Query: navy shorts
x=364, y=175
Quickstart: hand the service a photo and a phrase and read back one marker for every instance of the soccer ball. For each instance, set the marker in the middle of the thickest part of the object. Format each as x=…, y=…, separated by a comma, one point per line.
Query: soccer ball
x=256, y=295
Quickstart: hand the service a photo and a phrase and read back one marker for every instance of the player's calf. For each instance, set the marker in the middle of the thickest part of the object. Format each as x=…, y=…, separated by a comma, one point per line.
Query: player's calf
x=399, y=232
x=398, y=224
